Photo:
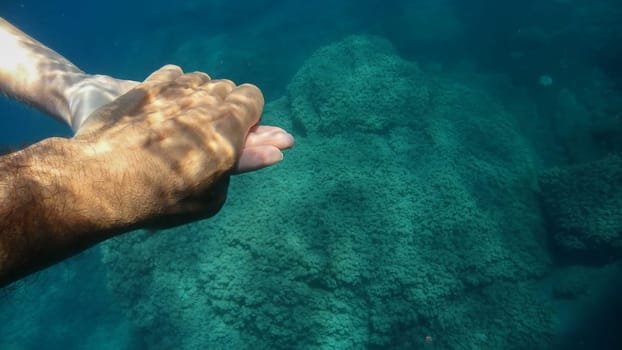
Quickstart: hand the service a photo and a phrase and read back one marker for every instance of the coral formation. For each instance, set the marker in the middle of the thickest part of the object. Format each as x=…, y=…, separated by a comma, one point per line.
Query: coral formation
x=362, y=77
x=583, y=206
x=407, y=211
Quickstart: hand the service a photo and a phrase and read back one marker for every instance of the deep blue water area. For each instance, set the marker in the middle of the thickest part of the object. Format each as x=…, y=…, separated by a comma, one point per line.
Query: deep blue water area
x=456, y=182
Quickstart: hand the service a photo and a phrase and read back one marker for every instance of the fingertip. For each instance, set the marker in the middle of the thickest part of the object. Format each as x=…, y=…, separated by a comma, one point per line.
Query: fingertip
x=261, y=135
x=168, y=72
x=247, y=93
x=282, y=140
x=288, y=141
x=257, y=158
x=193, y=79
x=247, y=104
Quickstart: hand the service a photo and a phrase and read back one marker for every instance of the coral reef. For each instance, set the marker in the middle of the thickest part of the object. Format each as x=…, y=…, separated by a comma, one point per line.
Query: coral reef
x=362, y=77
x=406, y=210
x=583, y=206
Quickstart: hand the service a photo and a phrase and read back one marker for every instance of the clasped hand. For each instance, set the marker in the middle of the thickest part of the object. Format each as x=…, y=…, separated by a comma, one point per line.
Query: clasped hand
x=174, y=140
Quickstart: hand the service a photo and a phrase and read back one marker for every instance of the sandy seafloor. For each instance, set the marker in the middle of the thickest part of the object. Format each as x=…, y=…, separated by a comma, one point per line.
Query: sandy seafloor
x=456, y=183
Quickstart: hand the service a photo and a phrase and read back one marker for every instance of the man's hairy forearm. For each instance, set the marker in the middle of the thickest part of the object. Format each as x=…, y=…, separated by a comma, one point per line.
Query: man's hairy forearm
x=61, y=196
x=54, y=202
x=158, y=156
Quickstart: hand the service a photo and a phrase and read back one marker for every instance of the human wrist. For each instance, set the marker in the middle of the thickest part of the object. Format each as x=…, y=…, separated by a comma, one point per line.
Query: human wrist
x=124, y=187
x=82, y=99
x=109, y=186
x=78, y=190
x=88, y=92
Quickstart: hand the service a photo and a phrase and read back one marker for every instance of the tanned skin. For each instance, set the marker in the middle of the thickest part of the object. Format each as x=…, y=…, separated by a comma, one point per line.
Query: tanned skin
x=154, y=154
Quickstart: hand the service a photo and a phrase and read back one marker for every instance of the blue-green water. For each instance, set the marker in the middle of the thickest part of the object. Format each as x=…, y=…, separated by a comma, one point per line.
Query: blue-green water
x=457, y=176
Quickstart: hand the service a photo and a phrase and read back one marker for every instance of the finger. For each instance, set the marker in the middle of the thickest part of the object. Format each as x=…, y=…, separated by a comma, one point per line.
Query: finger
x=167, y=73
x=193, y=79
x=241, y=110
x=263, y=135
x=219, y=88
x=246, y=102
x=256, y=158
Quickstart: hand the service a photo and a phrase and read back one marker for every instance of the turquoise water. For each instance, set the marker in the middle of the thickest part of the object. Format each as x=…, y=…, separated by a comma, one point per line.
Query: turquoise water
x=456, y=182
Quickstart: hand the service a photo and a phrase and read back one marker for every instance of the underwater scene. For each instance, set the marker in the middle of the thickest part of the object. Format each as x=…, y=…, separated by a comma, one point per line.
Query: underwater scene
x=456, y=181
